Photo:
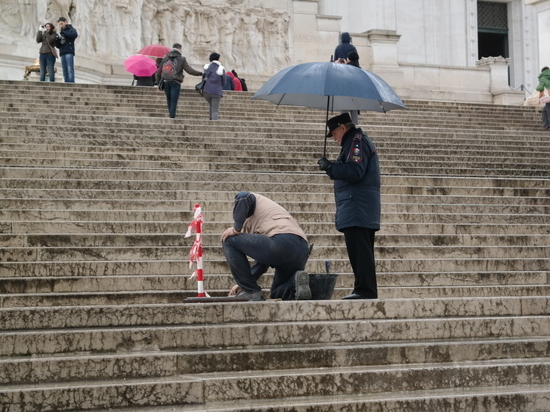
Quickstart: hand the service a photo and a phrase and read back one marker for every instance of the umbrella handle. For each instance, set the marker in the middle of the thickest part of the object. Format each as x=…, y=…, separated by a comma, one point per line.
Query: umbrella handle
x=326, y=129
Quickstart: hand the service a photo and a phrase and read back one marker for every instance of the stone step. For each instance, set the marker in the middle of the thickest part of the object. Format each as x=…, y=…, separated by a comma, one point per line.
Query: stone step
x=308, y=312
x=487, y=399
x=221, y=283
x=126, y=296
x=320, y=227
x=270, y=332
x=206, y=388
x=201, y=186
x=65, y=251
x=322, y=240
x=150, y=363
x=174, y=296
x=180, y=265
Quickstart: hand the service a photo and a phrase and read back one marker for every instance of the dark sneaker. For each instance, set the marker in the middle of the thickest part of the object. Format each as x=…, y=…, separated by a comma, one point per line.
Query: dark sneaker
x=252, y=296
x=301, y=284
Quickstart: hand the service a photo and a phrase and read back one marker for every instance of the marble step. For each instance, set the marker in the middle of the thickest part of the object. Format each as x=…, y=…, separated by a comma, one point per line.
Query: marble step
x=148, y=363
x=103, y=181
x=413, y=184
x=174, y=296
x=31, y=197
x=486, y=399
x=322, y=239
x=220, y=283
x=317, y=227
x=309, y=312
x=269, y=332
x=393, y=215
x=339, y=265
x=67, y=251
x=206, y=388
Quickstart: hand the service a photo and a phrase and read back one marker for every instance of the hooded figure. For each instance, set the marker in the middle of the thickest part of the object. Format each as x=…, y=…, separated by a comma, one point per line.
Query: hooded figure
x=345, y=46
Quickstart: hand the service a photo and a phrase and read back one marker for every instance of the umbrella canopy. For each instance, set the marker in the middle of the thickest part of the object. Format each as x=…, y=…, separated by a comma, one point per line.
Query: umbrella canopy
x=154, y=50
x=330, y=86
x=140, y=65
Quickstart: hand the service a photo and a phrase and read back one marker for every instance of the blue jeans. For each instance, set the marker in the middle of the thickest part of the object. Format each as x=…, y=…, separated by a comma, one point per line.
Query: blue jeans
x=286, y=253
x=67, y=62
x=47, y=60
x=172, y=90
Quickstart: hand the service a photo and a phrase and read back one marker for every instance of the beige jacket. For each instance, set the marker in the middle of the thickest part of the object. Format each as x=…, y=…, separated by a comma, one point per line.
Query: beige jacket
x=271, y=219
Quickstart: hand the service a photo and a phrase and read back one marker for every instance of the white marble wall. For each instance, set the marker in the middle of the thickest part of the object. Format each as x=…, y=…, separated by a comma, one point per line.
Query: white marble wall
x=257, y=38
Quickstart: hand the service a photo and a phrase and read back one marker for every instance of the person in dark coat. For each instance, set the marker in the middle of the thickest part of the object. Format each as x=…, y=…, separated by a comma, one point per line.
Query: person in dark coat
x=172, y=81
x=356, y=176
x=214, y=74
x=47, y=36
x=353, y=60
x=65, y=44
x=345, y=46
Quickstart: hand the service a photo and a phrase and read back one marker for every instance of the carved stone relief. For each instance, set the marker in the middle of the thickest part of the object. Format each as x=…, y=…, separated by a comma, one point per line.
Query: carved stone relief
x=249, y=38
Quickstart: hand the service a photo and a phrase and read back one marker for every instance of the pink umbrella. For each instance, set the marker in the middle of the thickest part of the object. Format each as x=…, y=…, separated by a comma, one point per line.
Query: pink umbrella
x=155, y=50
x=140, y=65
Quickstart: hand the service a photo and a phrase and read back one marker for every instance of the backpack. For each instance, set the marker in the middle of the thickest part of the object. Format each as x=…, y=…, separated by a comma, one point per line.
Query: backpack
x=169, y=69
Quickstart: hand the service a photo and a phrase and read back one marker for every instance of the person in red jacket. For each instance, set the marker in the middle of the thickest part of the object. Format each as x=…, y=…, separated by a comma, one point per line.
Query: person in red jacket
x=238, y=87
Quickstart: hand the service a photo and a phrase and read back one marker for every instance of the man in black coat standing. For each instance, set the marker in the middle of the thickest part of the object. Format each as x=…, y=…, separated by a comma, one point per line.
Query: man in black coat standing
x=356, y=175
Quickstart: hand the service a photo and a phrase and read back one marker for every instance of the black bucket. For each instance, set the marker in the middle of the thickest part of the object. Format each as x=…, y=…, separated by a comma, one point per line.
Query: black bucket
x=322, y=285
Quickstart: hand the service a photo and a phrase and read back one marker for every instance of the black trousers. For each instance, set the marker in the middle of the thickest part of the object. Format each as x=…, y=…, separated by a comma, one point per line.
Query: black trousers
x=360, y=246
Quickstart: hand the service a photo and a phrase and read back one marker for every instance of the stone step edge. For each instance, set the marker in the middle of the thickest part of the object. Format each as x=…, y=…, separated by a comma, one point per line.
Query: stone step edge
x=193, y=315
x=463, y=350
x=204, y=378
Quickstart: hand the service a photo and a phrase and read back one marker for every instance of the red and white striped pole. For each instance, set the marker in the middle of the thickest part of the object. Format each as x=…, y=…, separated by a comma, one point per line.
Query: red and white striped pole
x=196, y=250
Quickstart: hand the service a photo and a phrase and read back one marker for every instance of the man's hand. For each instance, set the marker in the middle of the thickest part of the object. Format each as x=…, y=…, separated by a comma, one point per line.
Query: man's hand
x=234, y=290
x=324, y=163
x=230, y=231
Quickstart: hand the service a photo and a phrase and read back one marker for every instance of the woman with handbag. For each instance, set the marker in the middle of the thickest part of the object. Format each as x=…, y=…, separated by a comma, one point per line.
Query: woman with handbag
x=47, y=36
x=213, y=87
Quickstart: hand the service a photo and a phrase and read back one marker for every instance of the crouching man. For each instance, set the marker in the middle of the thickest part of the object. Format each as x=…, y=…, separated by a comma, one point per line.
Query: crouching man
x=266, y=232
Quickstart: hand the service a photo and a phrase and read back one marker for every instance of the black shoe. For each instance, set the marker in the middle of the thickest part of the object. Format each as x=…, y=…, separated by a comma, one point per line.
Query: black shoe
x=356, y=296
x=301, y=283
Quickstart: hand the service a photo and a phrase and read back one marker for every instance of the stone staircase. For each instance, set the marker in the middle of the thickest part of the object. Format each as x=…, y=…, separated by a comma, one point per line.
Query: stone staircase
x=97, y=188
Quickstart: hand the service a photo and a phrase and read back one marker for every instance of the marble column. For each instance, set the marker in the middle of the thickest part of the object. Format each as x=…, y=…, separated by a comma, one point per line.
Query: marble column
x=543, y=22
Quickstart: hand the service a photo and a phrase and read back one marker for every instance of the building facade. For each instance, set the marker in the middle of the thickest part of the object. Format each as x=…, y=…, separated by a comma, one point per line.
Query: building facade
x=461, y=50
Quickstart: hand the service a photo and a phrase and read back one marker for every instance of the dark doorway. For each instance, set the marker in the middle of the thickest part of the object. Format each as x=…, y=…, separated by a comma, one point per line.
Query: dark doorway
x=492, y=44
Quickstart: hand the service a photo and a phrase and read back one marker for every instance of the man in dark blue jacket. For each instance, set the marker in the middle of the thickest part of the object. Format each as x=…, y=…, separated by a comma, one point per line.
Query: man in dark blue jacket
x=356, y=175
x=343, y=49
x=65, y=44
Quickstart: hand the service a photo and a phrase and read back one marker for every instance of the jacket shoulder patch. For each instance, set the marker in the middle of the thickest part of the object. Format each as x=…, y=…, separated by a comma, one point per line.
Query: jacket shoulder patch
x=356, y=149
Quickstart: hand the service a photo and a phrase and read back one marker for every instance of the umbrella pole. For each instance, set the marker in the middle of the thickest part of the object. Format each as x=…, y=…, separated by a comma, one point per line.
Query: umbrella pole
x=326, y=129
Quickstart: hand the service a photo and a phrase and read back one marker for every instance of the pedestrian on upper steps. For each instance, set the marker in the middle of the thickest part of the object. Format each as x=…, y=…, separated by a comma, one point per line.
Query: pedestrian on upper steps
x=345, y=46
x=47, y=36
x=544, y=83
x=356, y=176
x=266, y=232
x=237, y=83
x=352, y=60
x=214, y=75
x=65, y=44
x=170, y=76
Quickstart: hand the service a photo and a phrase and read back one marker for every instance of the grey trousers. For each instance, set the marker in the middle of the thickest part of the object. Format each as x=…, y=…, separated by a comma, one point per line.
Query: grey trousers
x=214, y=103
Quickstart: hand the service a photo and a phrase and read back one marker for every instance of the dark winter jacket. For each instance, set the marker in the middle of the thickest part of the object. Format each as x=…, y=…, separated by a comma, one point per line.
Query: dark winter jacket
x=181, y=65
x=215, y=79
x=48, y=42
x=342, y=50
x=65, y=40
x=356, y=175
